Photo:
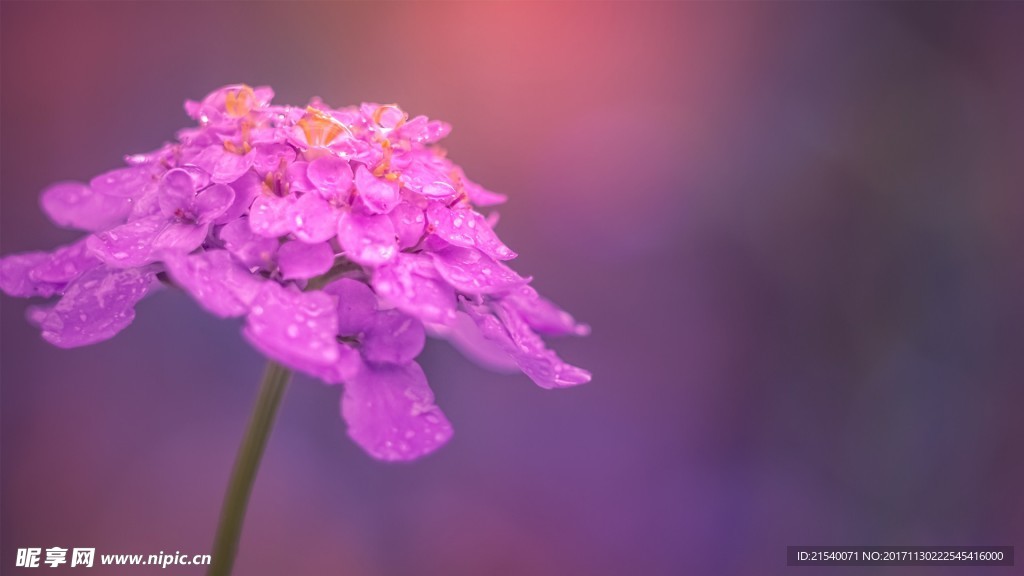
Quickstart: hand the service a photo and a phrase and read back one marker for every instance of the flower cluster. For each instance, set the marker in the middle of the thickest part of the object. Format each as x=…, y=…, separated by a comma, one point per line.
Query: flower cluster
x=341, y=236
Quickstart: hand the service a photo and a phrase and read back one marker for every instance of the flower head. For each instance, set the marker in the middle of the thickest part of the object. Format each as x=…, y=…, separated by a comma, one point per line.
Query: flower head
x=342, y=236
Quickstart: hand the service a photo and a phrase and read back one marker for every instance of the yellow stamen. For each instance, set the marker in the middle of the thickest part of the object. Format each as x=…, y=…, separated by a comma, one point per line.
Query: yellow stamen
x=239, y=102
x=320, y=127
x=378, y=114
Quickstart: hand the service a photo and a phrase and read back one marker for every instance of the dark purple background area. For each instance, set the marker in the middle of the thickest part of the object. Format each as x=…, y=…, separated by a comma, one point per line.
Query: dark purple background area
x=796, y=230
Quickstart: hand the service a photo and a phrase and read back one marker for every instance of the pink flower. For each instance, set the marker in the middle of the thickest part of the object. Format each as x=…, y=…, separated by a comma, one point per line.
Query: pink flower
x=342, y=237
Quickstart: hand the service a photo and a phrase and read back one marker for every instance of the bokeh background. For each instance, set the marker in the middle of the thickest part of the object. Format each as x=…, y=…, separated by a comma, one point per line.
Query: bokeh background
x=796, y=229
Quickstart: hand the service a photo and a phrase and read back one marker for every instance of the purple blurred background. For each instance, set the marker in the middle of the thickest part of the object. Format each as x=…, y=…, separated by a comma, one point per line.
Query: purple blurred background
x=796, y=230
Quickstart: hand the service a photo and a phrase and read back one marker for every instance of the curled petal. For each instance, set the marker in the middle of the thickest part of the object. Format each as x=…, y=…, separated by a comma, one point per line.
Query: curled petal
x=509, y=332
x=541, y=314
x=75, y=205
x=379, y=195
x=295, y=328
x=391, y=413
x=394, y=338
x=215, y=280
x=367, y=239
x=96, y=306
x=472, y=272
x=357, y=305
x=303, y=261
x=412, y=285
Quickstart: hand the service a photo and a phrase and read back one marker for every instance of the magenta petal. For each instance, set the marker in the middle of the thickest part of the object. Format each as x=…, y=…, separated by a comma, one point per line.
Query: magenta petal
x=357, y=305
x=331, y=175
x=15, y=279
x=472, y=272
x=267, y=157
x=75, y=205
x=175, y=193
x=126, y=182
x=394, y=338
x=509, y=332
x=96, y=306
x=182, y=238
x=246, y=188
x=269, y=215
x=379, y=195
x=542, y=315
x=412, y=284
x=465, y=336
x=296, y=179
x=215, y=280
x=129, y=245
x=245, y=245
x=342, y=369
x=409, y=223
x=295, y=328
x=368, y=240
x=65, y=264
x=313, y=219
x=301, y=260
x=462, y=226
x=391, y=413
x=210, y=203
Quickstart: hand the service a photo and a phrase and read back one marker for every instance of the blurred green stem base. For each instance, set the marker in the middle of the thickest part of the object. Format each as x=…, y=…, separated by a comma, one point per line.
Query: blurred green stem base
x=232, y=513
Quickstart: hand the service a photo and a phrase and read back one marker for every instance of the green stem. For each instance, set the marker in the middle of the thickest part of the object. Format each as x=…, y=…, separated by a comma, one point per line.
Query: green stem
x=232, y=513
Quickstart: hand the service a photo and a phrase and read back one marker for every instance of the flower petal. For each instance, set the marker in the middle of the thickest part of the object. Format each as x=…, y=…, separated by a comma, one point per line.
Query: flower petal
x=390, y=412
x=357, y=305
x=313, y=220
x=210, y=203
x=331, y=175
x=246, y=188
x=472, y=272
x=542, y=315
x=409, y=222
x=96, y=306
x=412, y=285
x=463, y=226
x=379, y=195
x=304, y=261
x=129, y=245
x=129, y=182
x=269, y=215
x=215, y=280
x=508, y=331
x=367, y=239
x=246, y=246
x=394, y=338
x=176, y=192
x=15, y=278
x=466, y=337
x=75, y=205
x=295, y=328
